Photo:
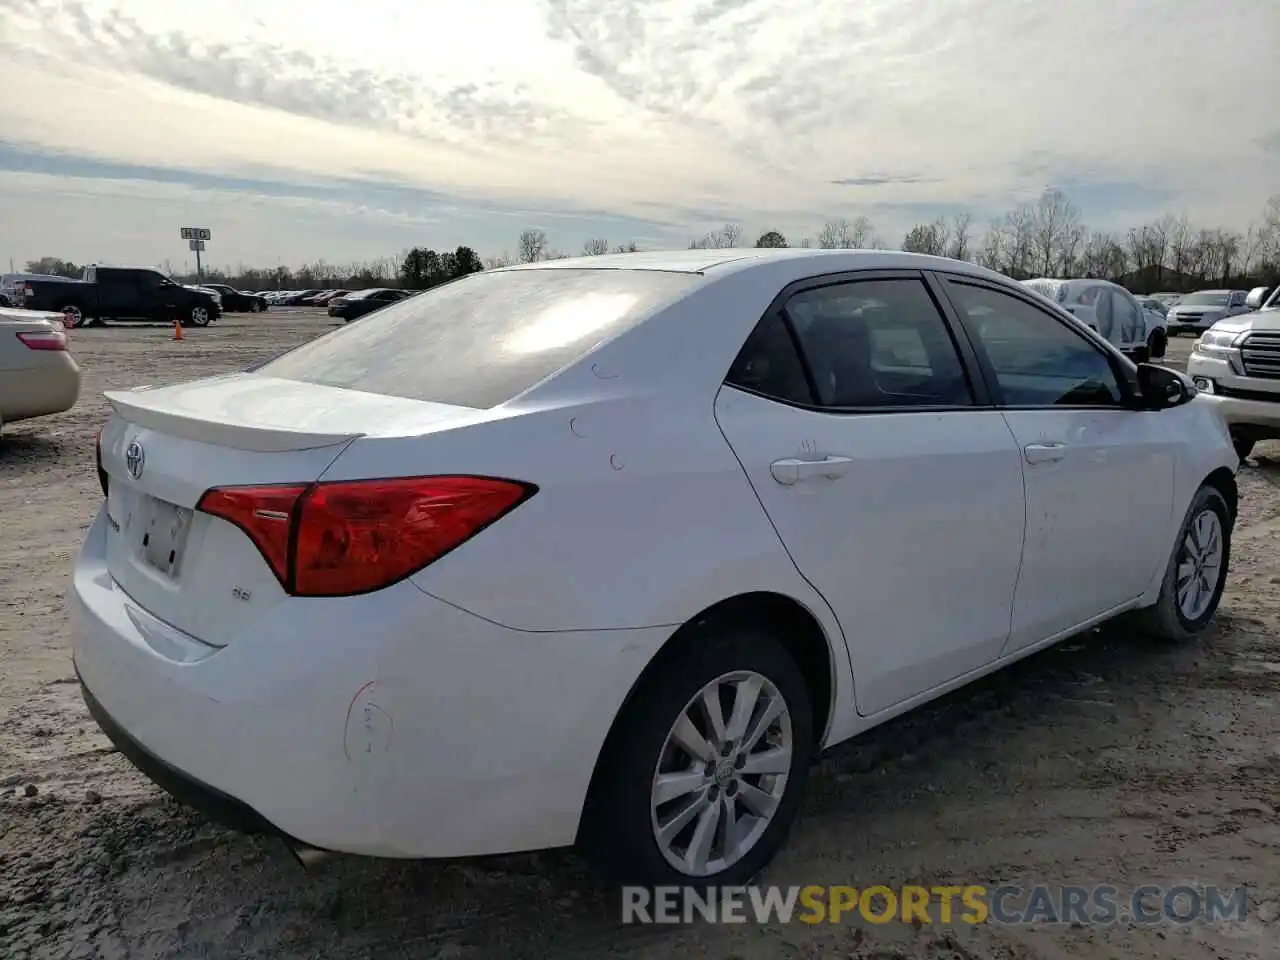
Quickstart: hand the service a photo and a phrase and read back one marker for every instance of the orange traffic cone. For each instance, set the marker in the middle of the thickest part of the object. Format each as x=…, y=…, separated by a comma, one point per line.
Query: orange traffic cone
x=177, y=329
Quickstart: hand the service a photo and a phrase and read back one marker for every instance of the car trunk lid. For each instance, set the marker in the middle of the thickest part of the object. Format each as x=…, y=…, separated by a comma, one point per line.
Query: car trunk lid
x=165, y=447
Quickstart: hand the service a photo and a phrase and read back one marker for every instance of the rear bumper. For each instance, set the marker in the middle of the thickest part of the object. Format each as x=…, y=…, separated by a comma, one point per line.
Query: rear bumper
x=390, y=724
x=214, y=804
x=51, y=386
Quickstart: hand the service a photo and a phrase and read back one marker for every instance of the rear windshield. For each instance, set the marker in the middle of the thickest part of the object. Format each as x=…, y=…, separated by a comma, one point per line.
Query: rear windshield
x=484, y=339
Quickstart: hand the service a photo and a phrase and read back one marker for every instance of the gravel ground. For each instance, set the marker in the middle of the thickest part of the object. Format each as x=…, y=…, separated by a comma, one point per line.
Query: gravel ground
x=1106, y=760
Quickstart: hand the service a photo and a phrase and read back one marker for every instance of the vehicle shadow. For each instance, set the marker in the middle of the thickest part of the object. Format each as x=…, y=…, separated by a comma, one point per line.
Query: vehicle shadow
x=914, y=775
x=22, y=448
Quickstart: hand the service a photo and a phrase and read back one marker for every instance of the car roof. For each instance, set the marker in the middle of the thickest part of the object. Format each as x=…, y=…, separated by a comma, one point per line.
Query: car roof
x=805, y=261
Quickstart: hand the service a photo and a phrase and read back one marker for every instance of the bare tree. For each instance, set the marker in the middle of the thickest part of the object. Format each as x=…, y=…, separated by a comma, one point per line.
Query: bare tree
x=1009, y=247
x=595, y=247
x=992, y=255
x=533, y=245
x=1056, y=232
x=1248, y=248
x=1103, y=257
x=494, y=263
x=1181, y=240
x=629, y=247
x=958, y=248
x=1269, y=245
x=930, y=238
x=841, y=234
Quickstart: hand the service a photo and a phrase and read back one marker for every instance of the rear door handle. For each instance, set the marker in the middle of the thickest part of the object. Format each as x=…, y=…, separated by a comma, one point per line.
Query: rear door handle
x=792, y=470
x=1044, y=452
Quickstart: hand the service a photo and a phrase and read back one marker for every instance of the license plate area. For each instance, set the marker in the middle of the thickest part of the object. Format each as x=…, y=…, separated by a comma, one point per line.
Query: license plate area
x=151, y=531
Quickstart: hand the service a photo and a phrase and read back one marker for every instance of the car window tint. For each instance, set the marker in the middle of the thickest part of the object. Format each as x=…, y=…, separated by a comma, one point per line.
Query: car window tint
x=484, y=339
x=1037, y=359
x=768, y=364
x=878, y=343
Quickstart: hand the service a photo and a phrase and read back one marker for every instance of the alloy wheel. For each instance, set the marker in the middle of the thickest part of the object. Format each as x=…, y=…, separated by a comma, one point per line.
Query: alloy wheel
x=1199, y=564
x=721, y=774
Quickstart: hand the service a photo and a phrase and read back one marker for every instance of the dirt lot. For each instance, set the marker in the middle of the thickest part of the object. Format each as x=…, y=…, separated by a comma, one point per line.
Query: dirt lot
x=1107, y=760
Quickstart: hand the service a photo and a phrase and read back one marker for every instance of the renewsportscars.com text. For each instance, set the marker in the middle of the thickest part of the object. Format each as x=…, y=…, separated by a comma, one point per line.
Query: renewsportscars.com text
x=972, y=904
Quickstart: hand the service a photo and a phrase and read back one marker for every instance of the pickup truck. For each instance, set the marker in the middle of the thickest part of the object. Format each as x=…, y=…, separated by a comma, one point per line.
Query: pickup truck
x=119, y=293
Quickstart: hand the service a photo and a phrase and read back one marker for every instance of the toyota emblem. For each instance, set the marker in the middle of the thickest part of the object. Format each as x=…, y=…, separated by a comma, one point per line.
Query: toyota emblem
x=134, y=459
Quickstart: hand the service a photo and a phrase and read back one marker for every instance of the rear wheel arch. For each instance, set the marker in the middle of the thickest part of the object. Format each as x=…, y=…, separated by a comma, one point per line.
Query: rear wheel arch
x=793, y=624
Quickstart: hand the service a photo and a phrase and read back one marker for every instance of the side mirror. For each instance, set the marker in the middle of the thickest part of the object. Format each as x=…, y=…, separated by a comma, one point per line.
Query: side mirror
x=1160, y=388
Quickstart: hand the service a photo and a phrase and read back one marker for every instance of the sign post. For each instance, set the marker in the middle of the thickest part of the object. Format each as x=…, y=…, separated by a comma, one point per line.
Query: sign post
x=196, y=238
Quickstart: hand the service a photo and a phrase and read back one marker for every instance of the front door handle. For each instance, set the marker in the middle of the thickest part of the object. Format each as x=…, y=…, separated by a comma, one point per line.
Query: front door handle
x=1044, y=452
x=792, y=470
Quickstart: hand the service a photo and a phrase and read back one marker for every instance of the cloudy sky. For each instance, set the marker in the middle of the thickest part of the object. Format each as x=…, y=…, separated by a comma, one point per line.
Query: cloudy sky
x=298, y=129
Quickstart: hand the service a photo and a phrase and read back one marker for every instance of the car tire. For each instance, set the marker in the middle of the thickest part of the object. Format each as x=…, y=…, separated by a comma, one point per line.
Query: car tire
x=1169, y=618
x=78, y=317
x=1157, y=343
x=620, y=832
x=200, y=316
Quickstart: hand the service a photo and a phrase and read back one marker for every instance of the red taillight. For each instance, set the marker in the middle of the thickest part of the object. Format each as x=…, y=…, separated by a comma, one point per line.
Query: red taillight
x=264, y=513
x=341, y=538
x=97, y=449
x=44, y=340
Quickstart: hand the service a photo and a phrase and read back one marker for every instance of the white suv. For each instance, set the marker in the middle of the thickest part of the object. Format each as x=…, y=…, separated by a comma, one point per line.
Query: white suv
x=1237, y=364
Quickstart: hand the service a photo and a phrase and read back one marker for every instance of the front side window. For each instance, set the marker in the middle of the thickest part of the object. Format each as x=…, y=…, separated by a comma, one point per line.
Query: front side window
x=878, y=343
x=1037, y=359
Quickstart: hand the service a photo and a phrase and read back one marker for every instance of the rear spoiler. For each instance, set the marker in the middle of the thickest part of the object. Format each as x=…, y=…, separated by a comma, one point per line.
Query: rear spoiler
x=137, y=407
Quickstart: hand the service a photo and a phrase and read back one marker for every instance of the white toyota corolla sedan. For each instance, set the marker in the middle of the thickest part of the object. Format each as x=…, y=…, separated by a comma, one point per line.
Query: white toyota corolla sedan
x=604, y=551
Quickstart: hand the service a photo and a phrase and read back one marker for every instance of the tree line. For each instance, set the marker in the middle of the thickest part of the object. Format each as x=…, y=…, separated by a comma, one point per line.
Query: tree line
x=1045, y=237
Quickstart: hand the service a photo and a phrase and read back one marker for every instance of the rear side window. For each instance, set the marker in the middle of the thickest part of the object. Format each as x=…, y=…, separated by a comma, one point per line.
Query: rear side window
x=484, y=339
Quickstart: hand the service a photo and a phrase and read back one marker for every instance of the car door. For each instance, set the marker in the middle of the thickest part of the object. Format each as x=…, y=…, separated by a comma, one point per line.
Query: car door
x=895, y=491
x=1098, y=474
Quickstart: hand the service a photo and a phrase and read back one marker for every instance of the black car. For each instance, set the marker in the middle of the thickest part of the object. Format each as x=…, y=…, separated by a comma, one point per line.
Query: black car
x=299, y=298
x=237, y=301
x=353, y=305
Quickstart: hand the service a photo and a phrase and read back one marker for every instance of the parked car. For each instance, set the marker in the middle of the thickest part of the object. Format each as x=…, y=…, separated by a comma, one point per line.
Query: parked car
x=295, y=298
x=38, y=375
x=238, y=301
x=1236, y=363
x=122, y=293
x=353, y=305
x=606, y=550
x=322, y=298
x=1201, y=310
x=1109, y=309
